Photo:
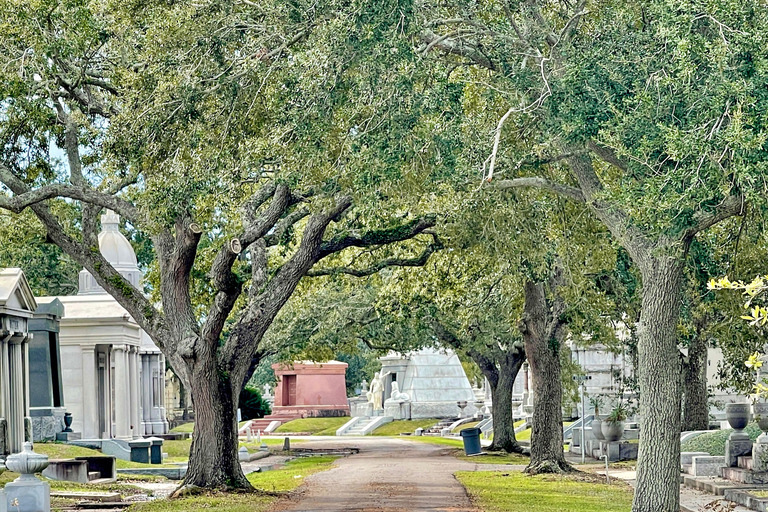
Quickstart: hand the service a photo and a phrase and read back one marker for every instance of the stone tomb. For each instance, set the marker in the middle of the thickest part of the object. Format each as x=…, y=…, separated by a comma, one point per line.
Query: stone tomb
x=46, y=397
x=308, y=389
x=434, y=382
x=17, y=307
x=113, y=376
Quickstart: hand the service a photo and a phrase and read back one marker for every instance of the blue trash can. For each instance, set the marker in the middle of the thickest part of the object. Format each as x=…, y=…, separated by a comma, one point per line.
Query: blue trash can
x=471, y=437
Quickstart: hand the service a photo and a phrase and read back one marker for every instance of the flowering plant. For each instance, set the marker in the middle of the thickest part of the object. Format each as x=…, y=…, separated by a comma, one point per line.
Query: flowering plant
x=761, y=386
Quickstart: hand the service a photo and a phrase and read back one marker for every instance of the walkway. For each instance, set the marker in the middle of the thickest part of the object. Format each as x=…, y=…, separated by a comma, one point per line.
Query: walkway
x=388, y=475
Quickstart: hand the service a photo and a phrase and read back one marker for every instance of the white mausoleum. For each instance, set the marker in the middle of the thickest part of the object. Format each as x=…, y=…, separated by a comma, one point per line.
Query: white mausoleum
x=113, y=374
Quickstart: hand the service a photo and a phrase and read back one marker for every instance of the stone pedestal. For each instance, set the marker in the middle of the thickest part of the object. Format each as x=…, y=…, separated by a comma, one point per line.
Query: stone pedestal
x=738, y=444
x=65, y=437
x=156, y=450
x=760, y=453
x=140, y=450
x=399, y=411
x=28, y=494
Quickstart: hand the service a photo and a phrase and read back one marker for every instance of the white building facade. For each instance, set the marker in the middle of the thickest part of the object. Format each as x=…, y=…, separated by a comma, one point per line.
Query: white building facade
x=113, y=374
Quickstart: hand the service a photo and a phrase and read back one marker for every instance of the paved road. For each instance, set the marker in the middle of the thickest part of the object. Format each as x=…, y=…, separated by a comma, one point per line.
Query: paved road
x=388, y=475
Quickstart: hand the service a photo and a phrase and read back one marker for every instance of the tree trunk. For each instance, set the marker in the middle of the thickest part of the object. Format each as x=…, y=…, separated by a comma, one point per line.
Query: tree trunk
x=503, y=420
x=213, y=457
x=542, y=346
x=658, y=465
x=695, y=406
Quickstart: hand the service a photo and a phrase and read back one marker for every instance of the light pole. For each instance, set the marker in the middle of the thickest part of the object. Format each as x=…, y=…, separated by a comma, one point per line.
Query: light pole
x=581, y=379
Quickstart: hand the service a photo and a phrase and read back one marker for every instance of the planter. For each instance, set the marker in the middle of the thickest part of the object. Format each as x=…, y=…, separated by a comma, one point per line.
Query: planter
x=737, y=415
x=67, y=422
x=613, y=430
x=597, y=429
x=760, y=410
x=27, y=462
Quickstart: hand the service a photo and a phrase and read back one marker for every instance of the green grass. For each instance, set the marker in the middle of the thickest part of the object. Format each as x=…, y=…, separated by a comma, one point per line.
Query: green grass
x=280, y=480
x=292, y=475
x=314, y=426
x=714, y=442
x=68, y=451
x=497, y=492
x=518, y=423
x=395, y=428
x=186, y=428
x=494, y=458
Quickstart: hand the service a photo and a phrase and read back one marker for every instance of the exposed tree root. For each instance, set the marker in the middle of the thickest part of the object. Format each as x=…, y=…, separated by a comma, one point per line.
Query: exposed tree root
x=549, y=466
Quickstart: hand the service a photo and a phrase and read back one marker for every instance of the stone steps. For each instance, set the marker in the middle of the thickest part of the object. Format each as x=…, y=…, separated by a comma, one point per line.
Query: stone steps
x=744, y=462
x=744, y=476
x=94, y=475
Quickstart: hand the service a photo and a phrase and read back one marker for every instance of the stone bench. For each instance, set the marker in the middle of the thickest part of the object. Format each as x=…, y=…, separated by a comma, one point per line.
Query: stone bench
x=99, y=469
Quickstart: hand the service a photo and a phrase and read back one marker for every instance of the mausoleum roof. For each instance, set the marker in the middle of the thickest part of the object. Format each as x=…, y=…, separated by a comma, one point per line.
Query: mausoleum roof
x=101, y=307
x=113, y=245
x=15, y=292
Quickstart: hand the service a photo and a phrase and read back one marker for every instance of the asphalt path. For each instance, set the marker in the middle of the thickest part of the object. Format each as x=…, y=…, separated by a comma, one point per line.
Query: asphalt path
x=388, y=475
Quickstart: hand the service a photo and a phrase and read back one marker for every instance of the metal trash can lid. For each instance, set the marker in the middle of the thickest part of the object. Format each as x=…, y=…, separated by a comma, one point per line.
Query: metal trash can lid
x=469, y=432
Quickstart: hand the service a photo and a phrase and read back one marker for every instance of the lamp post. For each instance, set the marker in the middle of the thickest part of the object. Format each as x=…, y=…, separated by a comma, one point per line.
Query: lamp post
x=581, y=379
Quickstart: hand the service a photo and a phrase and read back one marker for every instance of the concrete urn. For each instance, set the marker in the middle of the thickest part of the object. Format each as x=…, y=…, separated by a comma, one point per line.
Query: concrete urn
x=597, y=428
x=760, y=410
x=27, y=462
x=612, y=430
x=737, y=415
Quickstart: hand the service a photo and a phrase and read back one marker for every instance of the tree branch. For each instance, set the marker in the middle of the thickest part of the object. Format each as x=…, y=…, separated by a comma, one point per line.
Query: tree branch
x=540, y=183
x=377, y=237
x=730, y=206
x=453, y=46
x=418, y=261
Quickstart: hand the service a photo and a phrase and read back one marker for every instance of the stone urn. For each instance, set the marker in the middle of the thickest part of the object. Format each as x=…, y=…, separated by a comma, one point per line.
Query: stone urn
x=597, y=428
x=760, y=412
x=67, y=422
x=737, y=416
x=612, y=430
x=27, y=462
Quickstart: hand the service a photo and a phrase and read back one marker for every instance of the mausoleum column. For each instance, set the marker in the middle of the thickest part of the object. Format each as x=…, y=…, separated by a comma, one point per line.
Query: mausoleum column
x=18, y=394
x=5, y=391
x=122, y=393
x=89, y=411
x=146, y=393
x=138, y=431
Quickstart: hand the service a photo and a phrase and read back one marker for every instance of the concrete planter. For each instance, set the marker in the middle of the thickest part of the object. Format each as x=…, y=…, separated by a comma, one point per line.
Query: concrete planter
x=737, y=415
x=760, y=410
x=597, y=428
x=612, y=430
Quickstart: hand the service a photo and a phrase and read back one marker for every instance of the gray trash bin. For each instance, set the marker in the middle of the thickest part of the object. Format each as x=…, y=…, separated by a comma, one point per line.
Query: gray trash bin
x=471, y=438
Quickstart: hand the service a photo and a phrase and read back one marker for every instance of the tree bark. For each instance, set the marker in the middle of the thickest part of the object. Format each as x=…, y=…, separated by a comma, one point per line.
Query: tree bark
x=695, y=405
x=542, y=332
x=658, y=468
x=213, y=457
x=503, y=419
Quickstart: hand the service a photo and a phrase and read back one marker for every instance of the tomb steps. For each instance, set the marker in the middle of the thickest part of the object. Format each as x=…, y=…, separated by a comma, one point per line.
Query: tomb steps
x=744, y=462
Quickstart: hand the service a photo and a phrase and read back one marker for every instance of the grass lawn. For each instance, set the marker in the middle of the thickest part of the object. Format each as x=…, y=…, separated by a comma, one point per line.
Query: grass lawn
x=186, y=428
x=280, y=480
x=394, y=428
x=494, y=458
x=314, y=426
x=497, y=492
x=68, y=451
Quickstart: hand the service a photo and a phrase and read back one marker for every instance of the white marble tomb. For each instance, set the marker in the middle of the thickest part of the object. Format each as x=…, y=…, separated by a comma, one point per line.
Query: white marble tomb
x=113, y=374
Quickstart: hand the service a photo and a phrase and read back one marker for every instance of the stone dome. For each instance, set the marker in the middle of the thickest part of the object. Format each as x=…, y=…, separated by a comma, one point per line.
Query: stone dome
x=117, y=250
x=113, y=245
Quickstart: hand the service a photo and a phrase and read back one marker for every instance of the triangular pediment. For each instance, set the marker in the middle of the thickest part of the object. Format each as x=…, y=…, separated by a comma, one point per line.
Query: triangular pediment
x=15, y=292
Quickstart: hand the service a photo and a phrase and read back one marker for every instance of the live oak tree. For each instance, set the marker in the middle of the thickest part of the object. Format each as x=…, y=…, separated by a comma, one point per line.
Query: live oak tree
x=654, y=112
x=237, y=139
